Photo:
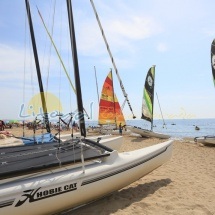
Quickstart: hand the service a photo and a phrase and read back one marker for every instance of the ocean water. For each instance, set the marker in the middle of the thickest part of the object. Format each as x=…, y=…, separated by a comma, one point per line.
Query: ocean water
x=177, y=128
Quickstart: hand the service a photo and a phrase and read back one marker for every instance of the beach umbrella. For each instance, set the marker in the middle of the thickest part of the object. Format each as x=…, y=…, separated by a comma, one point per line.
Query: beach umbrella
x=13, y=121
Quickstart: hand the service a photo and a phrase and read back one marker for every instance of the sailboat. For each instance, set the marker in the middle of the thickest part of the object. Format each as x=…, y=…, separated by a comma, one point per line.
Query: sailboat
x=49, y=138
x=110, y=113
x=92, y=172
x=210, y=139
x=148, y=107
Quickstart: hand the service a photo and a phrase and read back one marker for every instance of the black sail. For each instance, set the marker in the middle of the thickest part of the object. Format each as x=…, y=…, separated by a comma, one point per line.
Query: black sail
x=213, y=60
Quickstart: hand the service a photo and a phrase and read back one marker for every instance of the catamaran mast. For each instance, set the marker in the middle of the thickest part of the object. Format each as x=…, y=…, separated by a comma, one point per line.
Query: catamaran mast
x=112, y=59
x=42, y=94
x=153, y=90
x=76, y=69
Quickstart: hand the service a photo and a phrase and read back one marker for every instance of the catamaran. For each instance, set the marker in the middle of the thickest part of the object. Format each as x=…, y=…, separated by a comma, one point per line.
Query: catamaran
x=47, y=181
x=210, y=139
x=147, y=108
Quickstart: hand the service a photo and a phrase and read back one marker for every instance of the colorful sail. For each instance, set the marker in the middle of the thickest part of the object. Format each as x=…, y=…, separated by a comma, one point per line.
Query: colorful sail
x=213, y=59
x=148, y=95
x=109, y=109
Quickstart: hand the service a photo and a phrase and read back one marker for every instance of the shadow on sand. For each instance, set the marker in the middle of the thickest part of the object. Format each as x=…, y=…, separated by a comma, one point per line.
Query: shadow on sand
x=119, y=200
x=139, y=139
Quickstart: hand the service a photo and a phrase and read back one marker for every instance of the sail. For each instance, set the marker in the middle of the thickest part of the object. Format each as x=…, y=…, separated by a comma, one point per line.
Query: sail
x=213, y=59
x=109, y=109
x=118, y=111
x=148, y=95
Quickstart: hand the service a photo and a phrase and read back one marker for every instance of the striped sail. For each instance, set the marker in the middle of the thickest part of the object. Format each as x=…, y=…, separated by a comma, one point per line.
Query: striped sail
x=148, y=95
x=109, y=109
x=213, y=59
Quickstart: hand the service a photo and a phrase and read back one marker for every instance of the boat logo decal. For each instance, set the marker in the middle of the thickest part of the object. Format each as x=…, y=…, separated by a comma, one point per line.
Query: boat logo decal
x=34, y=195
x=150, y=81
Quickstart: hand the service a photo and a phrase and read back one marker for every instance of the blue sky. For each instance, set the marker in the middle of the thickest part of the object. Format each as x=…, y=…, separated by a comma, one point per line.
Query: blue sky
x=174, y=35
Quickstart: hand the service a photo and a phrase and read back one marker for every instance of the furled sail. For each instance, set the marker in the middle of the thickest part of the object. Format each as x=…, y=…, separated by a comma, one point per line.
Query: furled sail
x=109, y=109
x=213, y=59
x=148, y=95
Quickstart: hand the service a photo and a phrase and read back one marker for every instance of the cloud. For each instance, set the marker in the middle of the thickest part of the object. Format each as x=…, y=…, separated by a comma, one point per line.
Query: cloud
x=162, y=47
x=134, y=28
x=122, y=32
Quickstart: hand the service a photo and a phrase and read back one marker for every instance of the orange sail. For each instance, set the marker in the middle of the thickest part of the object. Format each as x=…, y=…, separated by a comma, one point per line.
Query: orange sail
x=109, y=109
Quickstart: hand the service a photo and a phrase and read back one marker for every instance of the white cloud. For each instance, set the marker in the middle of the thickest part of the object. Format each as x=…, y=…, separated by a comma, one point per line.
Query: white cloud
x=121, y=31
x=162, y=47
x=134, y=28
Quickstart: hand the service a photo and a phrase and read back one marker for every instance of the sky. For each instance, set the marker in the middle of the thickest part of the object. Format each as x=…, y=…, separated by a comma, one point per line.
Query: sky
x=174, y=35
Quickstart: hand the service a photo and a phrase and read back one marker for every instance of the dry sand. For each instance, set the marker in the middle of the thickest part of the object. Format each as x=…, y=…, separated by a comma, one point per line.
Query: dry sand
x=184, y=185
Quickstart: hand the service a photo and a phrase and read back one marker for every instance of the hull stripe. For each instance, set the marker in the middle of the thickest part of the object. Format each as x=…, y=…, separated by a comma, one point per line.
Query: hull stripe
x=121, y=170
x=6, y=203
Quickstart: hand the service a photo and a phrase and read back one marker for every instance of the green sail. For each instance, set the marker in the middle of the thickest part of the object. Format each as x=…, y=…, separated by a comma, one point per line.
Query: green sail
x=148, y=95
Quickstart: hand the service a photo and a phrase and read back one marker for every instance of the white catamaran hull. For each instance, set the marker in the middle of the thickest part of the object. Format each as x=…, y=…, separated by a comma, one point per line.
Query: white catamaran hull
x=107, y=140
x=60, y=190
x=147, y=133
x=205, y=140
x=115, y=132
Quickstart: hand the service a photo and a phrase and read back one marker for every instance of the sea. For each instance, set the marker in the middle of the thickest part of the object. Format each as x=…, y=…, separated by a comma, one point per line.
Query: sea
x=177, y=128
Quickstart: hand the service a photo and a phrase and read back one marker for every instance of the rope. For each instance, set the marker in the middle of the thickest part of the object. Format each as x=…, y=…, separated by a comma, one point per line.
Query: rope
x=112, y=59
x=161, y=111
x=68, y=77
x=96, y=84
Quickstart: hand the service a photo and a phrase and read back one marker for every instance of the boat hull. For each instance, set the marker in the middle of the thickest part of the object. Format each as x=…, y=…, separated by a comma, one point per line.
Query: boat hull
x=68, y=188
x=205, y=140
x=147, y=133
x=110, y=141
x=107, y=140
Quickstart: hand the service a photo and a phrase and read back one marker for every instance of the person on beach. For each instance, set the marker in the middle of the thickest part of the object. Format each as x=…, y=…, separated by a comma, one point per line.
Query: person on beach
x=2, y=125
x=75, y=126
x=6, y=134
x=120, y=128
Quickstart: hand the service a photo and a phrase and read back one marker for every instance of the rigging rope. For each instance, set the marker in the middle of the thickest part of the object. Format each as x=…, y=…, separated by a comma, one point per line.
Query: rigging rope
x=50, y=48
x=68, y=77
x=96, y=84
x=24, y=76
x=112, y=59
x=164, y=124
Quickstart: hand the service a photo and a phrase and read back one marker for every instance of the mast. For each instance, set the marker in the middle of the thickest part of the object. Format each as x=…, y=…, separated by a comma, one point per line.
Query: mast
x=153, y=90
x=42, y=94
x=112, y=59
x=76, y=69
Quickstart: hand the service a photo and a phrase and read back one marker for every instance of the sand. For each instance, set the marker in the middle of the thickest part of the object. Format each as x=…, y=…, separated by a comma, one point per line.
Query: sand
x=183, y=185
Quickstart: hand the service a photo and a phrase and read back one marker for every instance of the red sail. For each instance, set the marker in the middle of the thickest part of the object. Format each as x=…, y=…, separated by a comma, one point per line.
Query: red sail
x=109, y=109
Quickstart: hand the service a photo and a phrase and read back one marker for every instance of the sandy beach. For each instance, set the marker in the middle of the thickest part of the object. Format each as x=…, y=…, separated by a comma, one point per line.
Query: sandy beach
x=184, y=185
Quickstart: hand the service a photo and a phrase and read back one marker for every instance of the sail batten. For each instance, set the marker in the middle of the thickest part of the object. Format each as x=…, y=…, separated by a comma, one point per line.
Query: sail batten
x=148, y=96
x=109, y=109
x=213, y=60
